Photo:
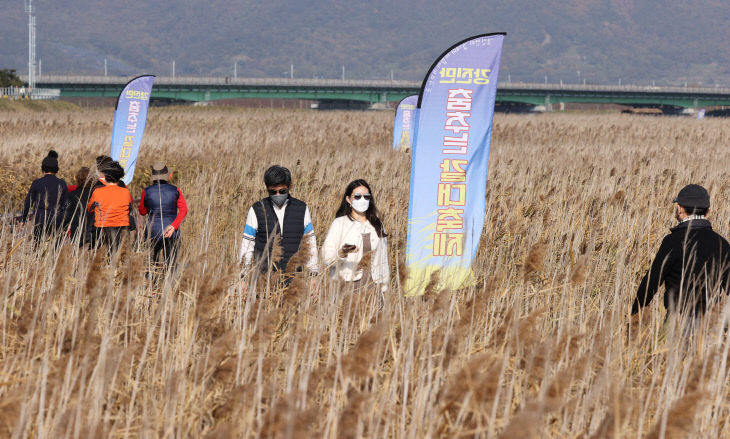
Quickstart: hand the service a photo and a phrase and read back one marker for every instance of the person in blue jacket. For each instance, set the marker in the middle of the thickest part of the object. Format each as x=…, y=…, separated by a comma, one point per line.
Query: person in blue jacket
x=166, y=209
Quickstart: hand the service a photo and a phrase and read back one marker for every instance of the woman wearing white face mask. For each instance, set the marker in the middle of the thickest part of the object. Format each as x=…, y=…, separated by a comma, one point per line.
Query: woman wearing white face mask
x=357, y=231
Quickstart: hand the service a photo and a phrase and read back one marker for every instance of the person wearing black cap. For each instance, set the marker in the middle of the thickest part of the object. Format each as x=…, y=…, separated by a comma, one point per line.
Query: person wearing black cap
x=167, y=209
x=693, y=261
x=48, y=196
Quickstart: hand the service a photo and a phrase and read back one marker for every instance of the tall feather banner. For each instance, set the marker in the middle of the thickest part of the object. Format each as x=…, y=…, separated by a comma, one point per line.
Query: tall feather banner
x=130, y=118
x=449, y=163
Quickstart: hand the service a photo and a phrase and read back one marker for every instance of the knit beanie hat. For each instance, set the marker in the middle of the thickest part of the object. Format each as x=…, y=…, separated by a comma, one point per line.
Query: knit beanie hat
x=50, y=162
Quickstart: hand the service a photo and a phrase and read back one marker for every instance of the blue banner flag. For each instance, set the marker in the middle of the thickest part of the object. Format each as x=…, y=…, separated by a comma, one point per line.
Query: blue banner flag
x=405, y=117
x=130, y=118
x=449, y=163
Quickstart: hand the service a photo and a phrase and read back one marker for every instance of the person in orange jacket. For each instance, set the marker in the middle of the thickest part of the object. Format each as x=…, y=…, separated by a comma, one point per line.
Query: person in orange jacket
x=111, y=205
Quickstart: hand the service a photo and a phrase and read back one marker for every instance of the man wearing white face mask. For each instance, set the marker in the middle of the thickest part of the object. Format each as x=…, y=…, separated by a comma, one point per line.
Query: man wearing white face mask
x=357, y=231
x=282, y=214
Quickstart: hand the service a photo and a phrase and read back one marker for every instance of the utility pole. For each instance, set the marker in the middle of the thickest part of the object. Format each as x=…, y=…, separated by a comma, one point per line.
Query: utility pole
x=31, y=45
x=173, y=69
x=105, y=71
x=40, y=68
x=291, y=71
x=391, y=74
x=235, y=69
x=343, y=73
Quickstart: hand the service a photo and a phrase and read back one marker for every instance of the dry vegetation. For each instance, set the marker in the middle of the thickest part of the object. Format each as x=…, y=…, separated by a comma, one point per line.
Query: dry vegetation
x=542, y=347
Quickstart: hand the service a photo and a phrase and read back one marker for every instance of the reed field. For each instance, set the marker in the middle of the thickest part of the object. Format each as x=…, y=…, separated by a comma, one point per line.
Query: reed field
x=542, y=346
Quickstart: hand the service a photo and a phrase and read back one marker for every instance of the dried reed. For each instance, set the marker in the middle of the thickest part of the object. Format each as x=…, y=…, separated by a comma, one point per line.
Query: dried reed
x=537, y=347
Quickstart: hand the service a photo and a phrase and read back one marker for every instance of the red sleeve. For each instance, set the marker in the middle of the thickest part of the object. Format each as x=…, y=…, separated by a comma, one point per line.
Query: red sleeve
x=72, y=187
x=182, y=210
x=142, y=207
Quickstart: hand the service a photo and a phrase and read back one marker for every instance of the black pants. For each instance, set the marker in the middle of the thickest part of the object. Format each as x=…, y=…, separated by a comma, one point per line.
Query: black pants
x=164, y=250
x=43, y=232
x=110, y=236
x=40, y=231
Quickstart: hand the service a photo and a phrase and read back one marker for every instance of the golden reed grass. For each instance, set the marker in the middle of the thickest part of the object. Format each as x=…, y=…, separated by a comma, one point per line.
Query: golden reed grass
x=541, y=346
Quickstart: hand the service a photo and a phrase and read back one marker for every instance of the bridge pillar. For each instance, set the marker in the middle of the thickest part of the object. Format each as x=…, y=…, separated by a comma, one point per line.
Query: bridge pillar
x=548, y=104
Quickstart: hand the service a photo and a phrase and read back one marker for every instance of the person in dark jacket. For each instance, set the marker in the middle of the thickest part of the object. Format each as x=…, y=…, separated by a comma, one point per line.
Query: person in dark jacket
x=166, y=207
x=693, y=261
x=80, y=222
x=47, y=195
x=278, y=214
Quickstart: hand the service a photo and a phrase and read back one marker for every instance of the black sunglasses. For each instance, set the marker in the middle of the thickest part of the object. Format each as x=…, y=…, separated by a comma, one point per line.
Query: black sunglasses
x=280, y=191
x=358, y=196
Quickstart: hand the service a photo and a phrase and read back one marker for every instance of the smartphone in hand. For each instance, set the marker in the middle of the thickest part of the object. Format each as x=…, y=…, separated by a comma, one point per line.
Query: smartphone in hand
x=347, y=249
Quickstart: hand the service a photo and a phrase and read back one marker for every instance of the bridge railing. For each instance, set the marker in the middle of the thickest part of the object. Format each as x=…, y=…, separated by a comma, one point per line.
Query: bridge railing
x=46, y=93
x=373, y=84
x=15, y=93
x=614, y=88
x=12, y=92
x=214, y=80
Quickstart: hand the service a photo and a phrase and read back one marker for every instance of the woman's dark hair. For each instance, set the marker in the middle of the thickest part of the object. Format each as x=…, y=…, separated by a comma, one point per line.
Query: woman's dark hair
x=113, y=172
x=82, y=177
x=277, y=175
x=103, y=162
x=103, y=159
x=371, y=214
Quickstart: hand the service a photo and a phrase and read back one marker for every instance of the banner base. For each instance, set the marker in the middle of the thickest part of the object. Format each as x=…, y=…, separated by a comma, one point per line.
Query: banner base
x=447, y=277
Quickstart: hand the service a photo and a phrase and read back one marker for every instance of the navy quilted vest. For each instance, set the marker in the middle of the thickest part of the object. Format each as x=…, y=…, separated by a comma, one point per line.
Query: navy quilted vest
x=161, y=202
x=269, y=226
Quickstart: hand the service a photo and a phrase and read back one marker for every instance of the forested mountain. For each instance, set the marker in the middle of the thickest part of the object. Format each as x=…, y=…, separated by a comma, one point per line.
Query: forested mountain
x=599, y=41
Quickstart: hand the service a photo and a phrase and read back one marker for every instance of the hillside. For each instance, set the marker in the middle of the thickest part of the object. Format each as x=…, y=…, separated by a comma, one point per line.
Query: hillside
x=600, y=41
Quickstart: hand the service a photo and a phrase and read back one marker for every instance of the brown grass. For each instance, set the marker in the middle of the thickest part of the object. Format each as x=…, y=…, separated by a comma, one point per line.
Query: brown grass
x=539, y=347
x=535, y=260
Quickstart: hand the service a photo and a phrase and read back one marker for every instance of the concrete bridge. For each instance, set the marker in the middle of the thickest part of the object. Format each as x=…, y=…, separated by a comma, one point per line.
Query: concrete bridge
x=369, y=92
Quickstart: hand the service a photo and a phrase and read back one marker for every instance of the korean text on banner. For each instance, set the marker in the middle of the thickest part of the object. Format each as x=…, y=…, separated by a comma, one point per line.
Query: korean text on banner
x=130, y=118
x=404, y=122
x=449, y=163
